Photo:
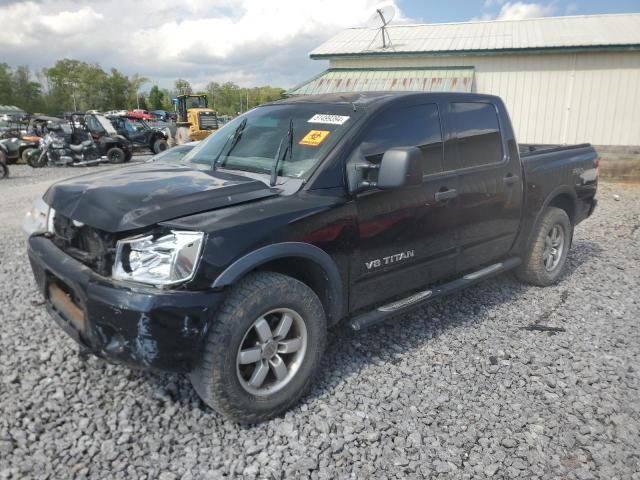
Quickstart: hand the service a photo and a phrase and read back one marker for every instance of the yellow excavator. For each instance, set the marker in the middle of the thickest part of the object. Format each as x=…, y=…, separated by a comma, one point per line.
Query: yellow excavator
x=194, y=119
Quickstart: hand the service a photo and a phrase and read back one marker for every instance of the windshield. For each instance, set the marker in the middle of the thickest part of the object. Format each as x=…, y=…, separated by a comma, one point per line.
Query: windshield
x=173, y=155
x=252, y=147
x=196, y=102
x=106, y=124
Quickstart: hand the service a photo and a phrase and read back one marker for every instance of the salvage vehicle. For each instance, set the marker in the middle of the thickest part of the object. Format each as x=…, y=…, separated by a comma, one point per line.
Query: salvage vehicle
x=18, y=145
x=115, y=147
x=17, y=148
x=139, y=133
x=298, y=215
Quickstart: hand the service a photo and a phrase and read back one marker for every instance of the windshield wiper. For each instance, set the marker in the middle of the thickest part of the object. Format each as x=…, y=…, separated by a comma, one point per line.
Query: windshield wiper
x=288, y=151
x=234, y=141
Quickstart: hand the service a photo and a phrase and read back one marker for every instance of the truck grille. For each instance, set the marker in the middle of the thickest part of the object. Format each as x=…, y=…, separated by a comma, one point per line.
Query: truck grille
x=92, y=247
x=208, y=121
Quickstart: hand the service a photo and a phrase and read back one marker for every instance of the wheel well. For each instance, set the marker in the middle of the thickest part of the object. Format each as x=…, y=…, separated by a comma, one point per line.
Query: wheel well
x=311, y=274
x=566, y=203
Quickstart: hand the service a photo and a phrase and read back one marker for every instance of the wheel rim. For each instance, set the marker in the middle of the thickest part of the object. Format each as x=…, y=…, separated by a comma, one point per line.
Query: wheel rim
x=116, y=156
x=271, y=351
x=553, y=247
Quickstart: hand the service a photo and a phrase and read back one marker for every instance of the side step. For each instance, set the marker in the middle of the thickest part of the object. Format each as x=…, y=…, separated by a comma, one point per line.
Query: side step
x=384, y=312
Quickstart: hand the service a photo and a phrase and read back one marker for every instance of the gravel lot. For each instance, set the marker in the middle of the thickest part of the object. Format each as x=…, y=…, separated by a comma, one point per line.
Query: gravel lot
x=459, y=389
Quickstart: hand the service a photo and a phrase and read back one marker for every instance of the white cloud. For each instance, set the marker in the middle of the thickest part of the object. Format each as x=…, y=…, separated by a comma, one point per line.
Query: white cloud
x=72, y=23
x=521, y=10
x=247, y=41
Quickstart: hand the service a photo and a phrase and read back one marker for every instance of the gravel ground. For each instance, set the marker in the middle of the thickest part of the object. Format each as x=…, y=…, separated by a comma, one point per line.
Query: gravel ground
x=459, y=389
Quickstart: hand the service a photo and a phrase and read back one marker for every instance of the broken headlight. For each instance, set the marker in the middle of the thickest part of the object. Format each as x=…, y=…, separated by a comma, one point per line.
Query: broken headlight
x=39, y=219
x=160, y=259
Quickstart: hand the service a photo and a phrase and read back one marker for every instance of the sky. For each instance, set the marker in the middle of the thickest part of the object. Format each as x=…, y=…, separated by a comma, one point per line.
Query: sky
x=249, y=42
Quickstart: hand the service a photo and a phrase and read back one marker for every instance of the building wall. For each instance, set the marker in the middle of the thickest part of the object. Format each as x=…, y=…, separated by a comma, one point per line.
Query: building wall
x=552, y=98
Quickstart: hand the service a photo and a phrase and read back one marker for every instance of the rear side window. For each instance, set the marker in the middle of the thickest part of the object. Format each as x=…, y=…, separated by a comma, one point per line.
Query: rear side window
x=415, y=126
x=478, y=133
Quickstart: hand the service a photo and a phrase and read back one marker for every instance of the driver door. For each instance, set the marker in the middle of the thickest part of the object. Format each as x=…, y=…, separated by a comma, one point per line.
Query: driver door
x=406, y=236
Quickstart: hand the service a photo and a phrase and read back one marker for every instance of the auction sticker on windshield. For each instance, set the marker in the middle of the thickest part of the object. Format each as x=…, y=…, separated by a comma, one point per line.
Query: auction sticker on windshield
x=328, y=119
x=314, y=137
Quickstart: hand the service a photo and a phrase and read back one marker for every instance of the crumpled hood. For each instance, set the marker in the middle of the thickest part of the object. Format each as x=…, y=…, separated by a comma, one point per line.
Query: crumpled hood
x=143, y=195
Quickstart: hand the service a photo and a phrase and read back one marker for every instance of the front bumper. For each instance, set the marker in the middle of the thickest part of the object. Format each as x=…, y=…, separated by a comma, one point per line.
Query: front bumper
x=135, y=326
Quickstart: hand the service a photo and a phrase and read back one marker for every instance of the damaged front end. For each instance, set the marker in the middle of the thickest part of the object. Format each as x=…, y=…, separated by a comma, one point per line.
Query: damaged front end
x=122, y=321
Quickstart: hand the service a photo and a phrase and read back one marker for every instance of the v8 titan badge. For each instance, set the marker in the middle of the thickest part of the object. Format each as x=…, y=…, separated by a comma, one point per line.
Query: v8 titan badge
x=314, y=137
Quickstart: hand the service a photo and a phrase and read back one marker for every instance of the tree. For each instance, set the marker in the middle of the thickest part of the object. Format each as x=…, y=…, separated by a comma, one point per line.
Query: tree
x=116, y=91
x=74, y=85
x=183, y=87
x=6, y=85
x=156, y=98
x=27, y=94
x=135, y=83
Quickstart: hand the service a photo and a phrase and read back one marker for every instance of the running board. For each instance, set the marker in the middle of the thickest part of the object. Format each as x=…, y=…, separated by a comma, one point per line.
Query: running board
x=384, y=312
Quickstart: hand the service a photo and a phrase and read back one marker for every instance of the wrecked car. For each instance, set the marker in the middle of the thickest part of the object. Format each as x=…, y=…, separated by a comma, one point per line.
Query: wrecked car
x=140, y=133
x=300, y=214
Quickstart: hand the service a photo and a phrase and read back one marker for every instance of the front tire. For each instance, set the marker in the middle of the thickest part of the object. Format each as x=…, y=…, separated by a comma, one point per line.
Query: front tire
x=263, y=348
x=160, y=145
x=546, y=259
x=116, y=155
x=4, y=170
x=182, y=136
x=24, y=156
x=37, y=159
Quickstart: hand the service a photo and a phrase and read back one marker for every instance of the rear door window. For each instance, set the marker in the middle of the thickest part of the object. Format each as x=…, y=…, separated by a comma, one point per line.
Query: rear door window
x=477, y=130
x=414, y=126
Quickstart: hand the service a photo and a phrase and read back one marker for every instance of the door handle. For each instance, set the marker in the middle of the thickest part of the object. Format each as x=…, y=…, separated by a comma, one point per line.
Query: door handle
x=510, y=179
x=446, y=195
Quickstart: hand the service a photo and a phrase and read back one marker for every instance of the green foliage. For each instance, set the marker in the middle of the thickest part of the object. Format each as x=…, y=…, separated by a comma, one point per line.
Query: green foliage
x=74, y=85
x=230, y=99
x=156, y=98
x=182, y=87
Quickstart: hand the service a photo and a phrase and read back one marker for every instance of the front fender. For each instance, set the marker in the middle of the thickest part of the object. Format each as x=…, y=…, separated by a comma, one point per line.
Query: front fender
x=261, y=256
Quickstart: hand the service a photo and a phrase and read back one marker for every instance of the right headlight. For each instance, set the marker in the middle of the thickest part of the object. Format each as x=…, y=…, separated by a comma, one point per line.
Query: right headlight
x=163, y=259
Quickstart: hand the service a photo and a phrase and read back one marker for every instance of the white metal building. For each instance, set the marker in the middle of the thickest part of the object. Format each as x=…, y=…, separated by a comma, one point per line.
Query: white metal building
x=564, y=79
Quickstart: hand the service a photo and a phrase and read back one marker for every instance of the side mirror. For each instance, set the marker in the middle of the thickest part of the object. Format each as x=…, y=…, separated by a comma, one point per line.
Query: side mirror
x=400, y=167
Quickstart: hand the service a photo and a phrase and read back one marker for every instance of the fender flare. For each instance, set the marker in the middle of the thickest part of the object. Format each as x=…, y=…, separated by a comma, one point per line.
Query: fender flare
x=556, y=192
x=560, y=190
x=252, y=260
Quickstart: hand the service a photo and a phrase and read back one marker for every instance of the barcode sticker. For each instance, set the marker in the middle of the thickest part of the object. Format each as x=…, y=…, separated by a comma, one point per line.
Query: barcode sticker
x=328, y=119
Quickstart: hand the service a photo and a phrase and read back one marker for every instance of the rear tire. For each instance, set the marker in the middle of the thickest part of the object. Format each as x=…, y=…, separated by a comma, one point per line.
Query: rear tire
x=116, y=155
x=160, y=145
x=263, y=348
x=547, y=256
x=4, y=170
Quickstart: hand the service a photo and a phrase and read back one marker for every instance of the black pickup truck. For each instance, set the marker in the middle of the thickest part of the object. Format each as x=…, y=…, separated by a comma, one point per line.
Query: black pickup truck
x=295, y=216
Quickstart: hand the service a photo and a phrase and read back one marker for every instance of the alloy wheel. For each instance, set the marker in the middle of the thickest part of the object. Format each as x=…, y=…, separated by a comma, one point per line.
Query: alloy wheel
x=271, y=351
x=553, y=247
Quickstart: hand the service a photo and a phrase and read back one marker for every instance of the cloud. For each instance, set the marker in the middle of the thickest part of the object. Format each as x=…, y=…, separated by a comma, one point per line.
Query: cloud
x=246, y=41
x=517, y=10
x=521, y=10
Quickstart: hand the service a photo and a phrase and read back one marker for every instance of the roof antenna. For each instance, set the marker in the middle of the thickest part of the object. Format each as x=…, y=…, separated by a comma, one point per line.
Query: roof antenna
x=379, y=20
